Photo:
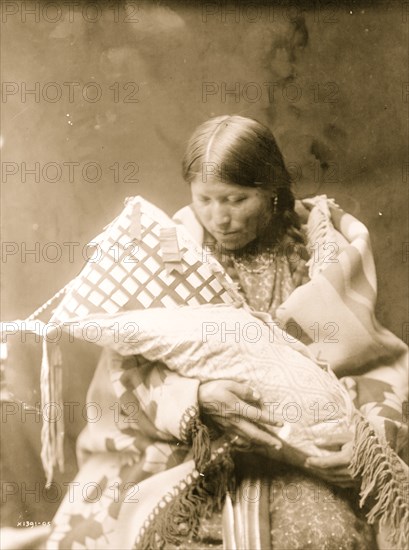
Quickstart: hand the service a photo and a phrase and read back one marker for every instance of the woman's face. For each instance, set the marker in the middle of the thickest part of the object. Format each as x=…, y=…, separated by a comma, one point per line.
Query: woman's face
x=234, y=215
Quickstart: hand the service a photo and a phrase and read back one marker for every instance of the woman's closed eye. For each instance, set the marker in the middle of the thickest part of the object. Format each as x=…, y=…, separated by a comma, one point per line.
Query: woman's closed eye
x=233, y=199
x=236, y=199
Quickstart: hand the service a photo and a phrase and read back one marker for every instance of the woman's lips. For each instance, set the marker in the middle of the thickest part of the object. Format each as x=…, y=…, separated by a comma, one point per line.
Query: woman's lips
x=224, y=233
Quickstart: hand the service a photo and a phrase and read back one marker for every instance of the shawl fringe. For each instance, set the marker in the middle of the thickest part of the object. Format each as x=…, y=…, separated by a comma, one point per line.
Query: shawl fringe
x=201, y=445
x=384, y=483
x=195, y=433
x=177, y=515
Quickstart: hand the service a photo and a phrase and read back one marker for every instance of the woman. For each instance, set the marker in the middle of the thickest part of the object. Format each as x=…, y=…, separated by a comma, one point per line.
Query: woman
x=244, y=213
x=241, y=197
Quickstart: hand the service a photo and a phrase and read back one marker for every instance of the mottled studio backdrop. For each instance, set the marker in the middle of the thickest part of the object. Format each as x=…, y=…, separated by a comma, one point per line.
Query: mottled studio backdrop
x=98, y=101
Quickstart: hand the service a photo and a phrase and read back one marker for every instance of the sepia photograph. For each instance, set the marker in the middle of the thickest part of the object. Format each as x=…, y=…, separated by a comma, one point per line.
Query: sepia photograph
x=204, y=308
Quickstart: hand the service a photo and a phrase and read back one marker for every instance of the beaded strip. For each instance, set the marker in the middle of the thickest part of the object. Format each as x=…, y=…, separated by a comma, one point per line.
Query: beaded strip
x=188, y=416
x=319, y=227
x=48, y=303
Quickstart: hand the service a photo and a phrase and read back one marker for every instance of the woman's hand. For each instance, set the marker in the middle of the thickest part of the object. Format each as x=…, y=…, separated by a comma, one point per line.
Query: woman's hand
x=235, y=408
x=333, y=468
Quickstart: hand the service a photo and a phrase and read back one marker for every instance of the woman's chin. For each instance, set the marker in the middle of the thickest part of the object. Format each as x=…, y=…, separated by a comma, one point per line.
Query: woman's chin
x=231, y=247
x=232, y=244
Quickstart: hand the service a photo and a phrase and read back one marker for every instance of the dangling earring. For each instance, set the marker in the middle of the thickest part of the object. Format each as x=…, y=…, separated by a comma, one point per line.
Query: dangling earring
x=275, y=202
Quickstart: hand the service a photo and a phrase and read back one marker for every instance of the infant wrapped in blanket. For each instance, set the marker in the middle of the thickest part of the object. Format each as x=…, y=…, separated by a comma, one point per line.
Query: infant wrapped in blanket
x=225, y=342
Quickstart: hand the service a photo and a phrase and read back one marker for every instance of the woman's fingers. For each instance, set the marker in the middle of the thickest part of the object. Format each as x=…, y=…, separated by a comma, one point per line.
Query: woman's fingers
x=325, y=462
x=249, y=404
x=257, y=413
x=237, y=412
x=333, y=468
x=334, y=460
x=343, y=483
x=243, y=391
x=268, y=417
x=333, y=440
x=210, y=407
x=341, y=471
x=235, y=403
x=227, y=393
x=255, y=437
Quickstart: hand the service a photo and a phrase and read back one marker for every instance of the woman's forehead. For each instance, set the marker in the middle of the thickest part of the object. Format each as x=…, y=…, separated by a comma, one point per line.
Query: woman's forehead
x=216, y=187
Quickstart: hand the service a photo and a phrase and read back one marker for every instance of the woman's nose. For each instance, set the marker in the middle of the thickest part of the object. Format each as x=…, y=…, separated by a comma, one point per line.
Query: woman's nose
x=221, y=216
